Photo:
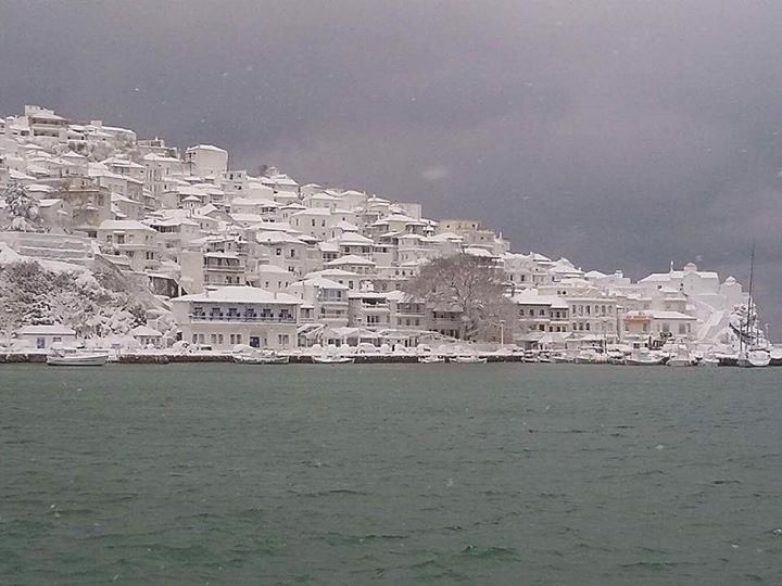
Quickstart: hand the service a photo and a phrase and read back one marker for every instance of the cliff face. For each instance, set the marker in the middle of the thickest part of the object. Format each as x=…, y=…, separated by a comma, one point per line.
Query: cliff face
x=43, y=292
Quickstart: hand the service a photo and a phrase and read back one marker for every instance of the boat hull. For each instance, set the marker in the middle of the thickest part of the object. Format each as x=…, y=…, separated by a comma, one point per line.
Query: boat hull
x=331, y=360
x=87, y=360
x=431, y=360
x=261, y=359
x=468, y=360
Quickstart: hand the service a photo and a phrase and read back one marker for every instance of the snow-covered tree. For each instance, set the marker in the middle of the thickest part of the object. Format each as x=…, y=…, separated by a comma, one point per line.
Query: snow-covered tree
x=468, y=284
x=22, y=208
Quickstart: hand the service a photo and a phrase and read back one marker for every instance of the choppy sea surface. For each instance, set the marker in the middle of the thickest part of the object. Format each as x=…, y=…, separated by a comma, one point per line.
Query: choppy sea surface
x=390, y=474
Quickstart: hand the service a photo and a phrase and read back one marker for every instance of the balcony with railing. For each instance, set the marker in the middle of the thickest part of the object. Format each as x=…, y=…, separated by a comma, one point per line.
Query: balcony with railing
x=283, y=318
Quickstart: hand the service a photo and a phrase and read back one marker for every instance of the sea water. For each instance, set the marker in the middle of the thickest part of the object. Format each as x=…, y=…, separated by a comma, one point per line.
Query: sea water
x=390, y=474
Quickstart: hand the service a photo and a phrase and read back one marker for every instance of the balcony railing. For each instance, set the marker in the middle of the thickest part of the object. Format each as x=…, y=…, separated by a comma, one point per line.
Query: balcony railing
x=243, y=318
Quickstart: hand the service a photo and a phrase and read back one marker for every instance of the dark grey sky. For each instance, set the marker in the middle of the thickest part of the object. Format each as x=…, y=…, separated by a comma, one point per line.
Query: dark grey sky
x=618, y=133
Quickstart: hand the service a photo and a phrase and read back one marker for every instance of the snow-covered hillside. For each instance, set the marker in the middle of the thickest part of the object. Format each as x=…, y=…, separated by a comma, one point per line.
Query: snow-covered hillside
x=34, y=291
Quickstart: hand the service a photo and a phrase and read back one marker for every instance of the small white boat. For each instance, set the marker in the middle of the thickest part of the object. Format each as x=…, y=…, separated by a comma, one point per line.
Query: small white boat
x=754, y=359
x=74, y=357
x=590, y=356
x=261, y=358
x=709, y=360
x=468, y=359
x=644, y=358
x=681, y=358
x=432, y=359
x=327, y=359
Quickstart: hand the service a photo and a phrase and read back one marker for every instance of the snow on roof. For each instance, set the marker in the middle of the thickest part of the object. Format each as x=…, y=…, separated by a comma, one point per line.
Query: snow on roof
x=39, y=187
x=53, y=330
x=323, y=283
x=671, y=275
x=350, y=259
x=276, y=238
x=251, y=201
x=174, y=221
x=145, y=331
x=476, y=251
x=354, y=238
x=446, y=237
x=332, y=273
x=119, y=225
x=532, y=297
x=206, y=147
x=313, y=212
x=654, y=314
x=240, y=295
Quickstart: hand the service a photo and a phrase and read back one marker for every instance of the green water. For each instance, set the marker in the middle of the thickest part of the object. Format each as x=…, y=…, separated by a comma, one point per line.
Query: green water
x=390, y=474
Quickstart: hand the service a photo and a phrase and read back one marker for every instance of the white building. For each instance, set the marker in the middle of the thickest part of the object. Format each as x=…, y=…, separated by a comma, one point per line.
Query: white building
x=42, y=337
x=206, y=160
x=226, y=316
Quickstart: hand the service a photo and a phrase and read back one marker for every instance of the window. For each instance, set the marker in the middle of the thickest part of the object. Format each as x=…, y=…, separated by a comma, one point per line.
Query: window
x=278, y=252
x=283, y=339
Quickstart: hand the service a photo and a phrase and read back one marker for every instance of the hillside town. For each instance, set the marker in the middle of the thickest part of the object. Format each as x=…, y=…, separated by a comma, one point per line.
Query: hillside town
x=207, y=255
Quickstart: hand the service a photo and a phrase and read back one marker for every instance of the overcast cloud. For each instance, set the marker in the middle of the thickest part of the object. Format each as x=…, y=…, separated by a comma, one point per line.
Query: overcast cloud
x=621, y=134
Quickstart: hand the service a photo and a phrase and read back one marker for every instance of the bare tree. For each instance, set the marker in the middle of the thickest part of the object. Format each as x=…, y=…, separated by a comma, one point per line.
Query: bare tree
x=471, y=285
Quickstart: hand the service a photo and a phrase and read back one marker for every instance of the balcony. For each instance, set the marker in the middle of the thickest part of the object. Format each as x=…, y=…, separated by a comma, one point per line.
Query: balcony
x=243, y=319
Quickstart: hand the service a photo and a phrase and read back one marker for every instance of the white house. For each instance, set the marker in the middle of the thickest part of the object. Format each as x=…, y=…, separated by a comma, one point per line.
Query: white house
x=42, y=337
x=226, y=316
x=206, y=160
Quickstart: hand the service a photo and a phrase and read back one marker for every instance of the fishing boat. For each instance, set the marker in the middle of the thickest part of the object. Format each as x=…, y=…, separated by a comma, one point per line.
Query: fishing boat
x=468, y=359
x=329, y=359
x=590, y=356
x=644, y=358
x=709, y=360
x=754, y=359
x=431, y=359
x=682, y=357
x=74, y=357
x=261, y=358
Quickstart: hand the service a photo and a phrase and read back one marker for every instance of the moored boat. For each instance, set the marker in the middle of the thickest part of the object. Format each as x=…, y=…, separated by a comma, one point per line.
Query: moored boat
x=644, y=358
x=682, y=357
x=754, y=359
x=468, y=359
x=261, y=358
x=431, y=359
x=74, y=357
x=328, y=359
x=709, y=361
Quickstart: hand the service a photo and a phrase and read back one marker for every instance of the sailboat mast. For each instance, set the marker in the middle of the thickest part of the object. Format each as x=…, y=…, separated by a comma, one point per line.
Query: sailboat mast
x=751, y=281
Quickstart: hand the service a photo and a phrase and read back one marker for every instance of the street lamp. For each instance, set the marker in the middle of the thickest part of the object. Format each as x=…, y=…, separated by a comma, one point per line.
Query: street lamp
x=502, y=332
